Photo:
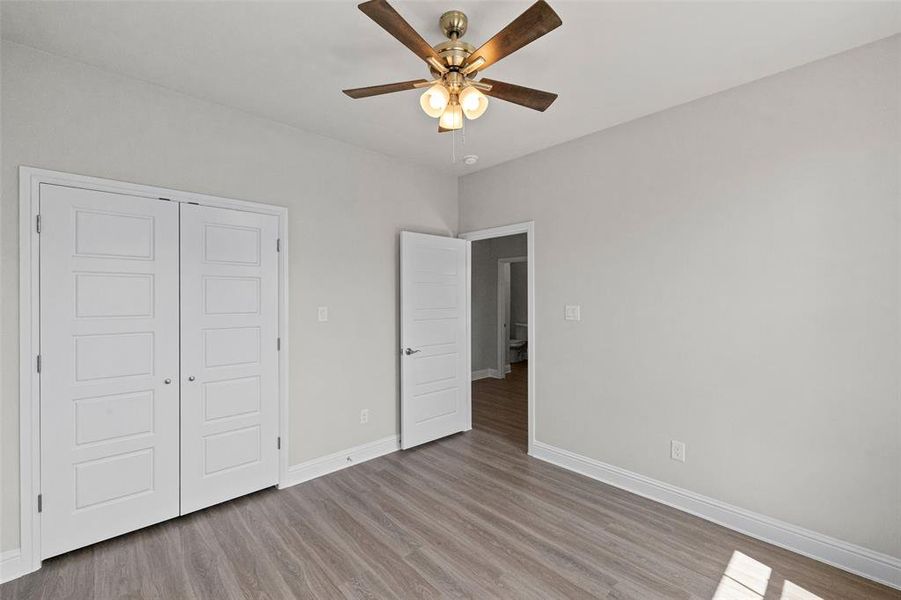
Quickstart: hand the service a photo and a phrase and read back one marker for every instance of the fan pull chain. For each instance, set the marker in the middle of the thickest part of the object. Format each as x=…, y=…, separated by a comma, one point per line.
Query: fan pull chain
x=454, y=146
x=454, y=141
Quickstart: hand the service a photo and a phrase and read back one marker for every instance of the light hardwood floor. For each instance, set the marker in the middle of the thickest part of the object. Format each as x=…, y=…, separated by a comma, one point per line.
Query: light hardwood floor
x=470, y=516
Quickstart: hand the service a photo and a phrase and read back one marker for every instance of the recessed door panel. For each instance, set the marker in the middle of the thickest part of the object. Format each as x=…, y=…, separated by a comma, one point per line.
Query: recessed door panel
x=109, y=340
x=110, y=295
x=112, y=356
x=229, y=292
x=109, y=418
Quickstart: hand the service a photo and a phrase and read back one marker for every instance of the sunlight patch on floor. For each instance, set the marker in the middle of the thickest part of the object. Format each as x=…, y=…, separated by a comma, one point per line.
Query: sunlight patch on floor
x=791, y=591
x=747, y=579
x=744, y=579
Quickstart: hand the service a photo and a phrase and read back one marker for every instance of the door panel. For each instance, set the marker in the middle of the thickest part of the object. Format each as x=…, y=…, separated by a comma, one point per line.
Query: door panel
x=109, y=340
x=229, y=295
x=435, y=374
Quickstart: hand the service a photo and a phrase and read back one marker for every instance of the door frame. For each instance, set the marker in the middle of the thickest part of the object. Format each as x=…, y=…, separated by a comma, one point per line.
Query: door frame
x=527, y=227
x=503, y=336
x=30, y=179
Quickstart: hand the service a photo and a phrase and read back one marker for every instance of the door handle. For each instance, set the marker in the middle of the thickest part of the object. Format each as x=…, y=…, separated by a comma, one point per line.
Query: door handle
x=167, y=381
x=191, y=378
x=410, y=351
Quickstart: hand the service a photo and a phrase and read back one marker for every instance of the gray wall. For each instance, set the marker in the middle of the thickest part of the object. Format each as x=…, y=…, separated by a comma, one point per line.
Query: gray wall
x=737, y=263
x=346, y=206
x=484, y=295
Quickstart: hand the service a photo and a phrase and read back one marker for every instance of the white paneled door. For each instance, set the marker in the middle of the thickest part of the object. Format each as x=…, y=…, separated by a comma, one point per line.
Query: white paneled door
x=109, y=365
x=229, y=356
x=435, y=370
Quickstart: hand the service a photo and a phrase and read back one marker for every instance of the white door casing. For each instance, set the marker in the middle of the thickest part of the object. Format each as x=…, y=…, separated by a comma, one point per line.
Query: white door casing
x=229, y=375
x=109, y=344
x=435, y=370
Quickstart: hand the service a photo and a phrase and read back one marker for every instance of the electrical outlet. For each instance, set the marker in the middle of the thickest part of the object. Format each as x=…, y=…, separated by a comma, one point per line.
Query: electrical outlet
x=323, y=314
x=364, y=416
x=572, y=312
x=677, y=451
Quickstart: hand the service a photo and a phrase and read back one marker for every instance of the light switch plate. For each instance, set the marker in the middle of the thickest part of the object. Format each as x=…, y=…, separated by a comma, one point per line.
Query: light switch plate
x=323, y=313
x=572, y=312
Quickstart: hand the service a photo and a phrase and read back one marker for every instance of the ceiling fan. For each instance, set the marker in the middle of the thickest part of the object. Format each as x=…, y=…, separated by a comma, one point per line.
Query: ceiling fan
x=453, y=92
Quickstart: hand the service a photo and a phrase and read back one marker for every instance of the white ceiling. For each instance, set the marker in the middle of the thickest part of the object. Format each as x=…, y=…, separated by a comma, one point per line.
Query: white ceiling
x=610, y=62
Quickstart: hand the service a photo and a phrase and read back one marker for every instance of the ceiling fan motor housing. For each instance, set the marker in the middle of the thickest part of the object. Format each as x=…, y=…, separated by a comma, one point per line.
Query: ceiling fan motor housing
x=453, y=52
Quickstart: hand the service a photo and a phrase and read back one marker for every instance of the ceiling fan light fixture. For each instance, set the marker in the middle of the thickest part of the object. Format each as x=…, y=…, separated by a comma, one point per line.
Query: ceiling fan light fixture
x=473, y=102
x=452, y=118
x=452, y=94
x=434, y=100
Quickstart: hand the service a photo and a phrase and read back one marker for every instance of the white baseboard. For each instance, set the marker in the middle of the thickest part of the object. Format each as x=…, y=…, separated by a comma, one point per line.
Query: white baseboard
x=483, y=374
x=11, y=565
x=324, y=465
x=873, y=565
x=507, y=368
x=486, y=374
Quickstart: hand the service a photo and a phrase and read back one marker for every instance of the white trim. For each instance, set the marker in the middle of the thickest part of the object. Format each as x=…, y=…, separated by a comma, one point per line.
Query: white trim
x=330, y=463
x=503, y=303
x=11, y=565
x=30, y=179
x=467, y=347
x=485, y=374
x=529, y=229
x=873, y=565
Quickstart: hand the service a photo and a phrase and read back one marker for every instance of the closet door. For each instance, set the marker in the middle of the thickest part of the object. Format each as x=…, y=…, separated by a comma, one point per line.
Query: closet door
x=109, y=365
x=229, y=329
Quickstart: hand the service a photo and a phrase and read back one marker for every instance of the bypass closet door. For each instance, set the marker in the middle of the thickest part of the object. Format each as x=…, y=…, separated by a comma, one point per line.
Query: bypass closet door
x=229, y=329
x=109, y=372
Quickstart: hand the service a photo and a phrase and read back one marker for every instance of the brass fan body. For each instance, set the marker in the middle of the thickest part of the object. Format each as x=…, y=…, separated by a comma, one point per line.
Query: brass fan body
x=455, y=63
x=452, y=52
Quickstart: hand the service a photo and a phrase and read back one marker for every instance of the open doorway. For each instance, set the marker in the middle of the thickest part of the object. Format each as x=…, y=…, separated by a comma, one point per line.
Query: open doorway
x=501, y=320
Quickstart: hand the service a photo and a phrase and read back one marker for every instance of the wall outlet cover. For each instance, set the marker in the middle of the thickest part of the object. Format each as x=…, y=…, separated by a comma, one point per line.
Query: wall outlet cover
x=323, y=314
x=677, y=451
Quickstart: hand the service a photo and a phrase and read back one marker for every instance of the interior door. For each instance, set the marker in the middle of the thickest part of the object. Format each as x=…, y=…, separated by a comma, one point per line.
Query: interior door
x=229, y=329
x=435, y=370
x=109, y=365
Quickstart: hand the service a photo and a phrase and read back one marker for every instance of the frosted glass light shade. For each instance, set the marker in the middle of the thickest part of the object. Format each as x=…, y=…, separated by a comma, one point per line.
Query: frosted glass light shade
x=474, y=103
x=452, y=118
x=434, y=100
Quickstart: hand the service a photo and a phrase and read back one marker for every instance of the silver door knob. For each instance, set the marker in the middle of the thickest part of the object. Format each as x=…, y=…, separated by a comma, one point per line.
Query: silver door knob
x=410, y=351
x=191, y=378
x=167, y=381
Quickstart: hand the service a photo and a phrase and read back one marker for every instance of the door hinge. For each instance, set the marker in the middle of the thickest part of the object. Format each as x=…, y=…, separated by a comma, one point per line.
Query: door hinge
x=38, y=363
x=278, y=244
x=40, y=502
x=278, y=442
x=37, y=223
x=278, y=344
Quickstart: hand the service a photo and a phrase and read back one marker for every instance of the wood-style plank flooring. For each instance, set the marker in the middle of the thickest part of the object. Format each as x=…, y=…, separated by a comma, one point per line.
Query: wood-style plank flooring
x=470, y=516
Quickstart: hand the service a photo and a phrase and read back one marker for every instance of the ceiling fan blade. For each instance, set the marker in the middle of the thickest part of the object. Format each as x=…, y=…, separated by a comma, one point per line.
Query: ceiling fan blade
x=386, y=88
x=538, y=19
x=384, y=14
x=517, y=94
